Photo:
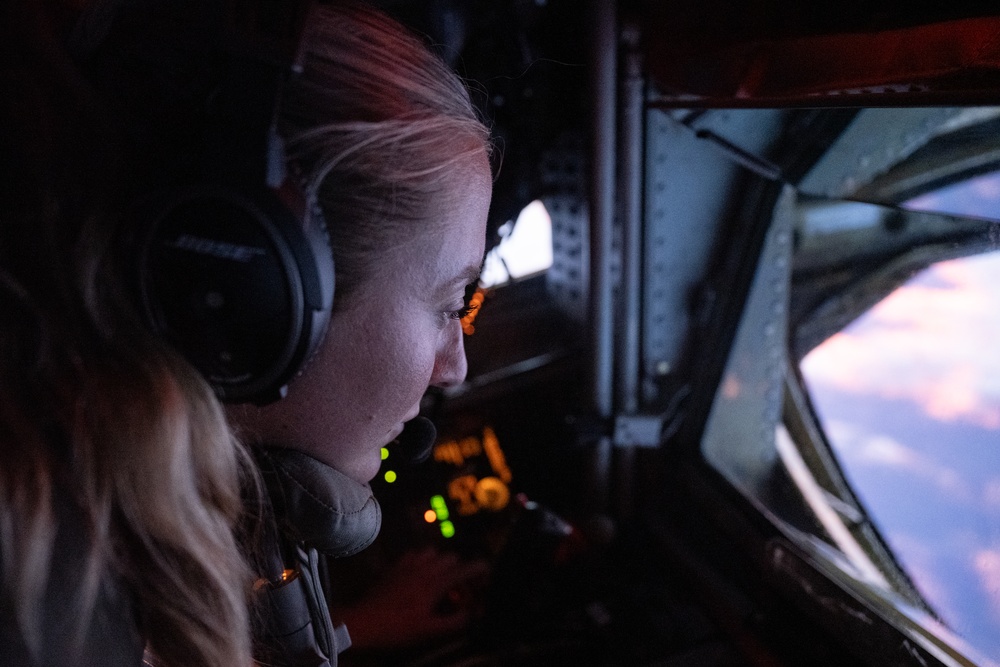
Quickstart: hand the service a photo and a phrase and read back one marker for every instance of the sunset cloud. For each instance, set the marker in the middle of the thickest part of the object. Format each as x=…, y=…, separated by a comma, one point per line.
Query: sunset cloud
x=863, y=449
x=987, y=566
x=933, y=341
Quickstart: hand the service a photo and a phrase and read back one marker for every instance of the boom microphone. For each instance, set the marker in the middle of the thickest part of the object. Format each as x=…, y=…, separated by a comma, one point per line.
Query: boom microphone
x=417, y=440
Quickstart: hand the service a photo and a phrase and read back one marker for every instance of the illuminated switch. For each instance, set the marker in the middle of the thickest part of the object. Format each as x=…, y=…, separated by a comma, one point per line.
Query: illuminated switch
x=492, y=494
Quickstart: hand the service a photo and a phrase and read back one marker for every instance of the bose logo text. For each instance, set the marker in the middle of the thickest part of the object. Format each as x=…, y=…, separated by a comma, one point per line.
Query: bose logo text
x=219, y=249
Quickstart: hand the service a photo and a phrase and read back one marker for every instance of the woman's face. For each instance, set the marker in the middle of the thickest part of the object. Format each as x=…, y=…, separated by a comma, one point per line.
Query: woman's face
x=396, y=335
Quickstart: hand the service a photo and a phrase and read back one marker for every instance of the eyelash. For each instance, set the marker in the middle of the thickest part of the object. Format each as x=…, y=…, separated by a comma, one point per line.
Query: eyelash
x=462, y=312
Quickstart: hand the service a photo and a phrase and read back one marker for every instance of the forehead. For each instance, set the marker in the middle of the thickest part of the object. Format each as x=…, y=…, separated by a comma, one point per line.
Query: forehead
x=451, y=248
x=447, y=248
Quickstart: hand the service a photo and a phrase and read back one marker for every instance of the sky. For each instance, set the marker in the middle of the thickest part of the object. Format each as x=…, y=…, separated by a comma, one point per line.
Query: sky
x=909, y=395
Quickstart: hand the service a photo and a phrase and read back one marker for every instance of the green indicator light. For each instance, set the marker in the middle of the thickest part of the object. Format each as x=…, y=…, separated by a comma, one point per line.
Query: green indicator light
x=385, y=453
x=447, y=529
x=390, y=476
x=442, y=513
x=437, y=502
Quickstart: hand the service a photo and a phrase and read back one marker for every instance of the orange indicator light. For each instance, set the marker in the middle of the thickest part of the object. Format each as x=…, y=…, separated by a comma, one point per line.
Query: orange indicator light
x=493, y=452
x=491, y=494
x=474, y=303
x=430, y=516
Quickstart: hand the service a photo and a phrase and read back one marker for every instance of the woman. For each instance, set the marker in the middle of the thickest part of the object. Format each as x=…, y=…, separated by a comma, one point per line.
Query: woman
x=120, y=474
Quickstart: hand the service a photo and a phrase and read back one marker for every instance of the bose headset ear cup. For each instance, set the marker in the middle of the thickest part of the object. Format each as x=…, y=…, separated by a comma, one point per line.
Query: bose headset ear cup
x=233, y=267
x=239, y=285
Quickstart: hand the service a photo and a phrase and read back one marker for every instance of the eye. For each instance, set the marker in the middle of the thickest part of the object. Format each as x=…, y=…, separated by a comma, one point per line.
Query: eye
x=462, y=312
x=469, y=303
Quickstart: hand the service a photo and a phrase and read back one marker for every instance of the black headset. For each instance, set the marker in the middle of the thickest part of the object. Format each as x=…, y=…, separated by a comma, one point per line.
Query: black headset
x=234, y=266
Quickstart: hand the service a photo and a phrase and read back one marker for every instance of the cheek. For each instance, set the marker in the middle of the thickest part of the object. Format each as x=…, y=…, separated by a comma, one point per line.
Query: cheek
x=418, y=356
x=400, y=361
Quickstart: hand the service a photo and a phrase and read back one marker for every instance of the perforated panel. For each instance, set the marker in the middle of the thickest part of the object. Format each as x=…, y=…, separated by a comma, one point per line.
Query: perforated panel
x=563, y=179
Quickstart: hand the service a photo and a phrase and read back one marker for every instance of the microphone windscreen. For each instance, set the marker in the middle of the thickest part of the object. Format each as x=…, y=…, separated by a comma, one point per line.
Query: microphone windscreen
x=416, y=441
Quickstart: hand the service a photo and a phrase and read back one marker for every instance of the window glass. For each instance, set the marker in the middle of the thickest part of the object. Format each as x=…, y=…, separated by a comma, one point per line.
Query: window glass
x=908, y=396
x=979, y=196
x=525, y=247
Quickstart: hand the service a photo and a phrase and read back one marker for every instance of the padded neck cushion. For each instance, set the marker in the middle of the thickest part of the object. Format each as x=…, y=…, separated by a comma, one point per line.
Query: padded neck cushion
x=317, y=505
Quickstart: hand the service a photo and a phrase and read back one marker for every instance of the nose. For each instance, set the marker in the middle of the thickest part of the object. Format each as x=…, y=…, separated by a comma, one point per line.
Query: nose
x=450, y=364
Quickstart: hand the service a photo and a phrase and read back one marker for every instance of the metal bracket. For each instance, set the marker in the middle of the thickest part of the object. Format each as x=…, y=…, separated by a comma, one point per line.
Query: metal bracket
x=638, y=430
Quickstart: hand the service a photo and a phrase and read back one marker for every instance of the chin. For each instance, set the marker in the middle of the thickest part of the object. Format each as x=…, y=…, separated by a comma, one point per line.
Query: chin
x=369, y=468
x=361, y=471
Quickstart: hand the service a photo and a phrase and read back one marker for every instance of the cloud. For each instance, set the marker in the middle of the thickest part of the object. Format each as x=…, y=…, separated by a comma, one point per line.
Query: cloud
x=932, y=341
x=991, y=494
x=862, y=449
x=987, y=566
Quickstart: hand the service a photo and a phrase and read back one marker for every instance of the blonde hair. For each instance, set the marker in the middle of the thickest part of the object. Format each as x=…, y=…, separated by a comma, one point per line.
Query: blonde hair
x=381, y=129
x=109, y=442
x=135, y=440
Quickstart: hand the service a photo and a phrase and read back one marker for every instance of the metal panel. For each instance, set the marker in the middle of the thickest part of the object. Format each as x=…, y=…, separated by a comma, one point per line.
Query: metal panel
x=683, y=212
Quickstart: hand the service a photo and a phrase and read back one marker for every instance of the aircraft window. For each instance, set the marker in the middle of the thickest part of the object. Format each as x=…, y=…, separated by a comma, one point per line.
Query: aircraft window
x=859, y=405
x=525, y=248
x=978, y=196
x=909, y=399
